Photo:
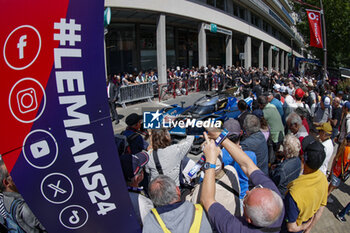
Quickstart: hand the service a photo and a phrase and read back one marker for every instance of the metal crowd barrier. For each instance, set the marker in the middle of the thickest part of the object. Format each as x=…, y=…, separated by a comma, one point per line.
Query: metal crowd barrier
x=135, y=92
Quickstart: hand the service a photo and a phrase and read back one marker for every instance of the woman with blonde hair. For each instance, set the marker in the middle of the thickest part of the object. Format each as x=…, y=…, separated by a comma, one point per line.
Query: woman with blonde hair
x=165, y=159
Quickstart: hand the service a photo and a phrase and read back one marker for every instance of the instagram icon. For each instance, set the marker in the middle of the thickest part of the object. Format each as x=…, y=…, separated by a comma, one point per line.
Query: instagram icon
x=27, y=100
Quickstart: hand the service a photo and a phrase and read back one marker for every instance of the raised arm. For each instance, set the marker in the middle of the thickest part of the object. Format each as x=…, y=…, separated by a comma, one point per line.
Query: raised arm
x=246, y=164
x=211, y=152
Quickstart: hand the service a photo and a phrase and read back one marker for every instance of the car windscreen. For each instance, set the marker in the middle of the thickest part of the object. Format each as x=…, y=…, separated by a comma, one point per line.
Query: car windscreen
x=202, y=110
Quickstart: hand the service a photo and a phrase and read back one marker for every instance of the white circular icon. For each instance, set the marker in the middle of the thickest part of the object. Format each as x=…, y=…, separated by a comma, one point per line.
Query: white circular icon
x=21, y=38
x=24, y=100
x=57, y=188
x=73, y=217
x=40, y=149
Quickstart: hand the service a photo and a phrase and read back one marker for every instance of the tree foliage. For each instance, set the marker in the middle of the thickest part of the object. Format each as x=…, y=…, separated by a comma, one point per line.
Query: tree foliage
x=337, y=16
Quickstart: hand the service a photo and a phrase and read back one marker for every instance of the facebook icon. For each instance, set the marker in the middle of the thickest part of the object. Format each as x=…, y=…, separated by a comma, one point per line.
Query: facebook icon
x=21, y=44
x=152, y=120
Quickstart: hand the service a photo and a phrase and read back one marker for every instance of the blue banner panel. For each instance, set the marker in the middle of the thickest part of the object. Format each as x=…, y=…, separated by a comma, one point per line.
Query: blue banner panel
x=60, y=147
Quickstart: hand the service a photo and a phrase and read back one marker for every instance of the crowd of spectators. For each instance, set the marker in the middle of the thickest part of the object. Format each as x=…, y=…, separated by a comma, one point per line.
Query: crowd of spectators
x=273, y=172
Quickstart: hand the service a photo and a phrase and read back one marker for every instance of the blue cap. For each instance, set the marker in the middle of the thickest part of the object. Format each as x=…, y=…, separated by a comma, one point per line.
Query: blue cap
x=347, y=105
x=258, y=113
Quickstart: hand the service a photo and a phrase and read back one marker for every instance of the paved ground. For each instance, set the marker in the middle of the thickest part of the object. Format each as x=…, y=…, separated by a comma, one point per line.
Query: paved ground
x=328, y=222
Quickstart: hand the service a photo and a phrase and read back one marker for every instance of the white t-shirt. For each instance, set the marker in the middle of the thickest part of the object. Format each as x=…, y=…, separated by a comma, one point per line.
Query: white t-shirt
x=328, y=149
x=289, y=100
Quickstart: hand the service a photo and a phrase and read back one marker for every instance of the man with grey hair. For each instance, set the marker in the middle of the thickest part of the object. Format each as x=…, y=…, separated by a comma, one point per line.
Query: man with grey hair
x=295, y=125
x=11, y=199
x=170, y=214
x=255, y=142
x=263, y=206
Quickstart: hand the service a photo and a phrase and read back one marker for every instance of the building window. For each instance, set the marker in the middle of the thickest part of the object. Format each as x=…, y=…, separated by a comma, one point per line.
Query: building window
x=242, y=13
x=274, y=32
x=265, y=26
x=170, y=47
x=220, y=4
x=235, y=10
x=211, y=2
x=121, y=48
x=254, y=19
x=148, y=44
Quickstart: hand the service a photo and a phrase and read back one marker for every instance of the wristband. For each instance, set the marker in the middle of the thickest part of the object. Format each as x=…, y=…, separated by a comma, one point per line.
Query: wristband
x=221, y=137
x=207, y=165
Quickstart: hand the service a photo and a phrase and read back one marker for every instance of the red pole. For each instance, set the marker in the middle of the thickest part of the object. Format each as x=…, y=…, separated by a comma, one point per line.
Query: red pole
x=186, y=83
x=174, y=90
x=197, y=81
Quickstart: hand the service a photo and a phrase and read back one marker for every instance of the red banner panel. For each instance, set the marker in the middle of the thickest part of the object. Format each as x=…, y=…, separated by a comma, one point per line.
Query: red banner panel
x=315, y=28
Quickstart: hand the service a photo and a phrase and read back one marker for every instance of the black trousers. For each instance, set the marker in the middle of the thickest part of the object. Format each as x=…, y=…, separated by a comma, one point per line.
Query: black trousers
x=113, y=110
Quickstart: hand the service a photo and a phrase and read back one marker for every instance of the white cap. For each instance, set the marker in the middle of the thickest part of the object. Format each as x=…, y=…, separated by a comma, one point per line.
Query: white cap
x=283, y=89
x=277, y=87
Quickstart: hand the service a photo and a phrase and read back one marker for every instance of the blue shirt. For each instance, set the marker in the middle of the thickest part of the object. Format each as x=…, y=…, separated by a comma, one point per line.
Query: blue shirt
x=279, y=107
x=243, y=179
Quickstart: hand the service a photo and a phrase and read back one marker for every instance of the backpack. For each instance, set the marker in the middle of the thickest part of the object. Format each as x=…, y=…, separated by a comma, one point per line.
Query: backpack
x=11, y=221
x=308, y=117
x=121, y=142
x=124, y=145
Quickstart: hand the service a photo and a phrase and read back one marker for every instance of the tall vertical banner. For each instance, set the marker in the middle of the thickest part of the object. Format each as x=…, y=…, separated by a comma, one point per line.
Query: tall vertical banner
x=56, y=134
x=314, y=18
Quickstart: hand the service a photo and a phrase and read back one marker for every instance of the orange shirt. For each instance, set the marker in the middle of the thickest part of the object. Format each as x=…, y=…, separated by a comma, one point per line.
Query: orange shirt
x=346, y=159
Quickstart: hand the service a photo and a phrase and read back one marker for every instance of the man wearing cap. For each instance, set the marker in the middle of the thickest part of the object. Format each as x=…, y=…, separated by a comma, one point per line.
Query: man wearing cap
x=325, y=132
x=278, y=104
x=278, y=92
x=134, y=134
x=298, y=96
x=234, y=135
x=133, y=170
x=323, y=111
x=307, y=195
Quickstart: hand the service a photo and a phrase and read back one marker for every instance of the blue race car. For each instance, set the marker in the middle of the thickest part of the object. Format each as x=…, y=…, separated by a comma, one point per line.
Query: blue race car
x=217, y=107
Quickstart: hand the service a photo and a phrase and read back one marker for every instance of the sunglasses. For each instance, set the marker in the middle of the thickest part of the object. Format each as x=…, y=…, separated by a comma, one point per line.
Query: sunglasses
x=245, y=197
